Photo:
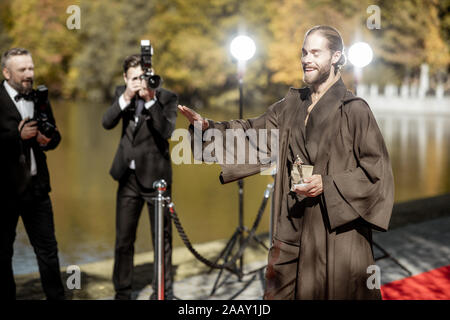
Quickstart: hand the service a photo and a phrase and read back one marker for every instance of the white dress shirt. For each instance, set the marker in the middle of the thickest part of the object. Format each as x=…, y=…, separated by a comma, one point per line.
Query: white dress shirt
x=26, y=110
x=123, y=104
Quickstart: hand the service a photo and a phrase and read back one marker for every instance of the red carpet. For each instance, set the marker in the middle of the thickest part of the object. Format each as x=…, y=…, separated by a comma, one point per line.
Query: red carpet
x=431, y=285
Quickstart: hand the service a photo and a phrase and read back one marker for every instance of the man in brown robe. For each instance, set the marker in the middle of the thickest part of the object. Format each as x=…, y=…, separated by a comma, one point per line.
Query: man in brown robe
x=322, y=243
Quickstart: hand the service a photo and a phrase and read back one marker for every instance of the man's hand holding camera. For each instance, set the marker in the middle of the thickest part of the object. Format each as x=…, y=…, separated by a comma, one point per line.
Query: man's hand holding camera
x=133, y=86
x=146, y=93
x=42, y=139
x=137, y=85
x=28, y=129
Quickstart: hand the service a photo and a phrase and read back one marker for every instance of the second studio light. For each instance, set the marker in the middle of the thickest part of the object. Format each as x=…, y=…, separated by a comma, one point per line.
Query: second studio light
x=242, y=48
x=360, y=54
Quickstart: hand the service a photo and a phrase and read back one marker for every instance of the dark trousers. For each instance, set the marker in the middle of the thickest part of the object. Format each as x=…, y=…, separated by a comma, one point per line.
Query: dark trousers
x=131, y=197
x=35, y=208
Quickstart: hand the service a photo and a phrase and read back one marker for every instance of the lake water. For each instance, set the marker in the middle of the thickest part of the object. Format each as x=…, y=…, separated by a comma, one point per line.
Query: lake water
x=84, y=194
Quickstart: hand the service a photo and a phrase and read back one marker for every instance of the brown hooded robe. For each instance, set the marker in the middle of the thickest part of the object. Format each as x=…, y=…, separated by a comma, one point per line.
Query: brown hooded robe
x=322, y=246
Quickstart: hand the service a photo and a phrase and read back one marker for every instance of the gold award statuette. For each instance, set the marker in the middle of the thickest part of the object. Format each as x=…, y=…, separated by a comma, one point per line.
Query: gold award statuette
x=299, y=172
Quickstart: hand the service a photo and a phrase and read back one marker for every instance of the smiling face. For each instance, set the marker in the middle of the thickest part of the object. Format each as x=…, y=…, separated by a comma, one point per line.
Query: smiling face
x=317, y=59
x=19, y=72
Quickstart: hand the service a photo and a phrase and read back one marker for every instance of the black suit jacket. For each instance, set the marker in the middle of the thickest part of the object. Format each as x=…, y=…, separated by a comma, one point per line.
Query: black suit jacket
x=148, y=143
x=14, y=175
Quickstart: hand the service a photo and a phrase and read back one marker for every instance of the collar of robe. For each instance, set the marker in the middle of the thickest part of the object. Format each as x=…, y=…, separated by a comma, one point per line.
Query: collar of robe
x=307, y=139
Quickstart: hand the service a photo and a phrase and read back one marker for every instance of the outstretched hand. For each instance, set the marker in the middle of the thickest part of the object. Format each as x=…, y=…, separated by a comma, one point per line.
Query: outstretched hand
x=193, y=116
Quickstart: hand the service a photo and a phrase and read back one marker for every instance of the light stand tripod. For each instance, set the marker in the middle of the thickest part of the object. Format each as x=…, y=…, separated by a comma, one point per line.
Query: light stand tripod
x=241, y=182
x=227, y=252
x=238, y=235
x=242, y=48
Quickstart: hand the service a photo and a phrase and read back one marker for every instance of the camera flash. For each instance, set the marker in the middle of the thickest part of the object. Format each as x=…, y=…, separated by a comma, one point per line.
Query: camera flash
x=145, y=42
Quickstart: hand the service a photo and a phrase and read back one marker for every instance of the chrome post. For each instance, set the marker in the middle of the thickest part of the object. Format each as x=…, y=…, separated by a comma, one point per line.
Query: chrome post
x=160, y=186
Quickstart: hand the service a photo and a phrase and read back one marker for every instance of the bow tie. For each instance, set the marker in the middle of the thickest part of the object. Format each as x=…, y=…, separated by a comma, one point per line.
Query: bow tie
x=25, y=96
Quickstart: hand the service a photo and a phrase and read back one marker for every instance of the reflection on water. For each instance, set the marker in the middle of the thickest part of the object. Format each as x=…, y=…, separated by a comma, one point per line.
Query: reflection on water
x=419, y=148
x=84, y=194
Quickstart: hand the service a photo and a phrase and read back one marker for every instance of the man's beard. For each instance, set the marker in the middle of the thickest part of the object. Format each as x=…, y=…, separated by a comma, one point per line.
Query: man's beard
x=22, y=87
x=322, y=76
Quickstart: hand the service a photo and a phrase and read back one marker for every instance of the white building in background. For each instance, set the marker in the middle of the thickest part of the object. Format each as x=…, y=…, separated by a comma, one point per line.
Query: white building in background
x=373, y=91
x=424, y=80
x=391, y=91
x=404, y=91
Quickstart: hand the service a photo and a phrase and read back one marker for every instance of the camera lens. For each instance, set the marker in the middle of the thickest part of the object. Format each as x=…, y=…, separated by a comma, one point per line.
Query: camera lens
x=154, y=81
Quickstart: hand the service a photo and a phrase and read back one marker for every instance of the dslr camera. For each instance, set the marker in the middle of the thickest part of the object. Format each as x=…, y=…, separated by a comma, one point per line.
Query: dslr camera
x=154, y=81
x=41, y=110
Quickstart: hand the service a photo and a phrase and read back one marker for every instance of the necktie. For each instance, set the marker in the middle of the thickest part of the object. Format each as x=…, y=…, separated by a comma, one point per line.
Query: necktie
x=139, y=107
x=137, y=113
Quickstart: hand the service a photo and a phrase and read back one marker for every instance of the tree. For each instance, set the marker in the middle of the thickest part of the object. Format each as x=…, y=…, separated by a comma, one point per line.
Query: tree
x=40, y=26
x=290, y=22
x=192, y=53
x=411, y=36
x=111, y=31
x=191, y=40
x=5, y=24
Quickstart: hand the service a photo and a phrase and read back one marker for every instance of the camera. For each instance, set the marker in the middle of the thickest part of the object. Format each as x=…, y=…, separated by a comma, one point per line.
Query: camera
x=41, y=109
x=154, y=81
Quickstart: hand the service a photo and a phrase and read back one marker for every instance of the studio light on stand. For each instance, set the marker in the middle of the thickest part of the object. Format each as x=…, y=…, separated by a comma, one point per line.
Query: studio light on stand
x=242, y=48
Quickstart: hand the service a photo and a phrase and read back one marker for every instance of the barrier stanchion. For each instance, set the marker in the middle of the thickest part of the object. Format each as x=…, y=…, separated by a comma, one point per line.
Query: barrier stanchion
x=230, y=260
x=161, y=187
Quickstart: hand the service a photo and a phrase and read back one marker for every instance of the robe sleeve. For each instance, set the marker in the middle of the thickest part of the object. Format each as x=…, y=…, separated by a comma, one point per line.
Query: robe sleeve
x=232, y=169
x=367, y=191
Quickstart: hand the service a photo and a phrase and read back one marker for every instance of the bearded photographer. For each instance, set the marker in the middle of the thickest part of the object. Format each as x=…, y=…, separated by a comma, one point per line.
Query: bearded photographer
x=25, y=183
x=148, y=120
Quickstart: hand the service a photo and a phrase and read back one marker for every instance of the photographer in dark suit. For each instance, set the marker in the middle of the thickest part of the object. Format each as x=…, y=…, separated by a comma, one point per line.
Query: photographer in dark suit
x=148, y=118
x=25, y=183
